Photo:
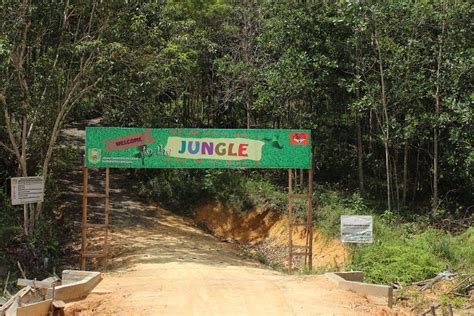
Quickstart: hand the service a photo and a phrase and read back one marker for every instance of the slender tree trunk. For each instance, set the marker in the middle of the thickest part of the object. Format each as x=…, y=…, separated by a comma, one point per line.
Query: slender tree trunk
x=360, y=154
x=388, y=177
x=397, y=183
x=360, y=149
x=371, y=132
x=405, y=174
x=385, y=125
x=417, y=175
x=435, y=199
x=247, y=106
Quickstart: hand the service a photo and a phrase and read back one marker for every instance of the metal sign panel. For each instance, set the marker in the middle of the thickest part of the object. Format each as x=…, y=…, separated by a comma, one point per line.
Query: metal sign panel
x=27, y=190
x=197, y=148
x=356, y=229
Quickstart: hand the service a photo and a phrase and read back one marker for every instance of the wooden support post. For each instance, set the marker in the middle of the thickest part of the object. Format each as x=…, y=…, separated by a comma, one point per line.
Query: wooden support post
x=86, y=225
x=296, y=179
x=106, y=220
x=290, y=219
x=309, y=218
x=84, y=216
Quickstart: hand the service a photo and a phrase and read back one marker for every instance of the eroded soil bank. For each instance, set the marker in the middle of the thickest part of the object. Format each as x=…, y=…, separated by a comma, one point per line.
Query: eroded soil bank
x=266, y=234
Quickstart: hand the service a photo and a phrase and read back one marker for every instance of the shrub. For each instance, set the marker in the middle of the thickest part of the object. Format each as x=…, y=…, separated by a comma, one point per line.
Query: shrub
x=405, y=256
x=334, y=204
x=390, y=261
x=239, y=190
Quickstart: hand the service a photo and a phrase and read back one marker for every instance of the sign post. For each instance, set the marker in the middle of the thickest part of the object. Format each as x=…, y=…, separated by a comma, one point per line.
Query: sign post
x=26, y=190
x=356, y=229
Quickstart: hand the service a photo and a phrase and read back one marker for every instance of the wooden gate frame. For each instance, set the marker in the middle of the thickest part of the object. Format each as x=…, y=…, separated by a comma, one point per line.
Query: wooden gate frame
x=307, y=248
x=86, y=225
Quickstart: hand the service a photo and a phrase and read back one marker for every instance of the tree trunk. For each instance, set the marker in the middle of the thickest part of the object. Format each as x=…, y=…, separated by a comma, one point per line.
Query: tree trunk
x=360, y=154
x=417, y=175
x=385, y=125
x=435, y=199
x=247, y=106
x=395, y=175
x=405, y=174
x=388, y=176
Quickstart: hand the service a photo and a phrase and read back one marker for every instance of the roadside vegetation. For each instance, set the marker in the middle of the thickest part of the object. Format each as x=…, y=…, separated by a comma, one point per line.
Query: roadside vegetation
x=407, y=247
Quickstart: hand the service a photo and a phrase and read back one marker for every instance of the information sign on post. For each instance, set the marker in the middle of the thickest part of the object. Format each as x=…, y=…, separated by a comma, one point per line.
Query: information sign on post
x=27, y=190
x=108, y=147
x=356, y=229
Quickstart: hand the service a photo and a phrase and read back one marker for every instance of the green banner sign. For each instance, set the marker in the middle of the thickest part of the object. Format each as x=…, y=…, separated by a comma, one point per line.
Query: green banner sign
x=197, y=148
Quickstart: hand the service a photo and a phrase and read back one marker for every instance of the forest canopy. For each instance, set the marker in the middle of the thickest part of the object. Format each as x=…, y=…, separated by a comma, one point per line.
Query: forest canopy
x=385, y=86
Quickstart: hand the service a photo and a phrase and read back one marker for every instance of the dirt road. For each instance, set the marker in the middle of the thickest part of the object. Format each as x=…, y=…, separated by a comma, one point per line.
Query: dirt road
x=162, y=264
x=165, y=266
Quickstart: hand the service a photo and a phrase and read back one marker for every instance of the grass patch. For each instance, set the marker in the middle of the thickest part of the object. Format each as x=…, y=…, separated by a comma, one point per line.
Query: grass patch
x=402, y=251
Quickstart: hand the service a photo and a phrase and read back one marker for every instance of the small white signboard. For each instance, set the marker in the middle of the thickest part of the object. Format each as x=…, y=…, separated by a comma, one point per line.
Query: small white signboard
x=27, y=190
x=356, y=229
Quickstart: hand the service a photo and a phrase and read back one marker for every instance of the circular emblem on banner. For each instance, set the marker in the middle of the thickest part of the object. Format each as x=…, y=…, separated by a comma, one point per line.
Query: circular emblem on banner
x=94, y=155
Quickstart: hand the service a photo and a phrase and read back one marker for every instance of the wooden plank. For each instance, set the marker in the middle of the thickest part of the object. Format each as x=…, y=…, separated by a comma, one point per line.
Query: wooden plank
x=298, y=196
x=93, y=255
x=97, y=195
x=37, y=309
x=299, y=253
x=89, y=225
x=300, y=246
x=52, y=279
x=299, y=224
x=35, y=284
x=14, y=299
x=12, y=307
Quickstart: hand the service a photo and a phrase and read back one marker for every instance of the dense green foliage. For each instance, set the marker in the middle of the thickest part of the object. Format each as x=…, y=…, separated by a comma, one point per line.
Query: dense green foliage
x=387, y=87
x=402, y=251
x=407, y=257
x=317, y=66
x=182, y=190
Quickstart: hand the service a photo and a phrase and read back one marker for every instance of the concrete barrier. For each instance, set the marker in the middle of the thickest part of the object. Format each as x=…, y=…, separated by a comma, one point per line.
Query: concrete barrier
x=353, y=281
x=36, y=309
x=75, y=285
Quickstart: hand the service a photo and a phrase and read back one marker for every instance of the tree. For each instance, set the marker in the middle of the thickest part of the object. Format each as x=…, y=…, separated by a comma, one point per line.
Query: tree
x=51, y=54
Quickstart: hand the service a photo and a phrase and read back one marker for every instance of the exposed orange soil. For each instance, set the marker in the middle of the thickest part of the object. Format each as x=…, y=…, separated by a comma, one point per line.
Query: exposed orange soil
x=258, y=225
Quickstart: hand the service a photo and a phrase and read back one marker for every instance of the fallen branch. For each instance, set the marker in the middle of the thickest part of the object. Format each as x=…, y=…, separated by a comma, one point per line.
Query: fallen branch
x=6, y=283
x=460, y=284
x=21, y=269
x=14, y=299
x=431, y=310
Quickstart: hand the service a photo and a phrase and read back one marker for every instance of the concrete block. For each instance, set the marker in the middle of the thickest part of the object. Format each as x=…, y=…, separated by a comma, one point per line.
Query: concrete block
x=75, y=285
x=356, y=276
x=36, y=309
x=352, y=281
